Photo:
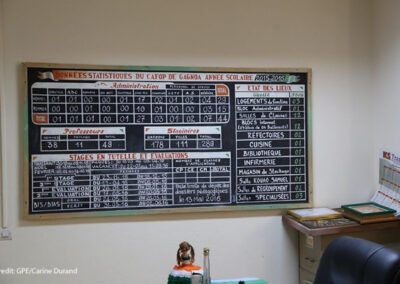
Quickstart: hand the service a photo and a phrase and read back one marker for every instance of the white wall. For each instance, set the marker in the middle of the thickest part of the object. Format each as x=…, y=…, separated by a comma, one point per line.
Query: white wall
x=331, y=37
x=386, y=77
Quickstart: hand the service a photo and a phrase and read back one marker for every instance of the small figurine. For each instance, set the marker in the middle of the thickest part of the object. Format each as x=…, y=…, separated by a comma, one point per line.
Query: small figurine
x=184, y=270
x=185, y=254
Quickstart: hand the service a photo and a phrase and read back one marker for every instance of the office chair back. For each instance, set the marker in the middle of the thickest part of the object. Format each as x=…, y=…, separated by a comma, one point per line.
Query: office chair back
x=349, y=260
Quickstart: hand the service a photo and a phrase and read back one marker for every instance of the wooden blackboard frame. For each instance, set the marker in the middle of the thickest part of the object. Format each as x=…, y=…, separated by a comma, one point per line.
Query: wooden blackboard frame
x=27, y=215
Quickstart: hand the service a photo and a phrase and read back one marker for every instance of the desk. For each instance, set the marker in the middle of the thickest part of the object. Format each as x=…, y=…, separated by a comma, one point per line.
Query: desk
x=312, y=242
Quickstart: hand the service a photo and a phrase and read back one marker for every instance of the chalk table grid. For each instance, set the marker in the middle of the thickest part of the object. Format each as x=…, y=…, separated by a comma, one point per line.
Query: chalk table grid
x=129, y=181
x=177, y=104
x=280, y=135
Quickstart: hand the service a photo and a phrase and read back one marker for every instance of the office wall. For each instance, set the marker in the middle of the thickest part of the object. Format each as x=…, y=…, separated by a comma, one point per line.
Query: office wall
x=331, y=37
x=386, y=74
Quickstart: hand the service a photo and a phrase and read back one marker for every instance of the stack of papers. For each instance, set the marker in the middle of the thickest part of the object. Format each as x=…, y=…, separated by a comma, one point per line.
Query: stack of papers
x=314, y=214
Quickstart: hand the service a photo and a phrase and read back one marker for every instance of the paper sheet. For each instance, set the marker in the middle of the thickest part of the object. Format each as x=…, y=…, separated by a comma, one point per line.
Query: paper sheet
x=388, y=192
x=235, y=280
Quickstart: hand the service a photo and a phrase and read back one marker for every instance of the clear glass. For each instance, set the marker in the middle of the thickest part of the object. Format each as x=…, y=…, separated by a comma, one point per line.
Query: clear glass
x=206, y=267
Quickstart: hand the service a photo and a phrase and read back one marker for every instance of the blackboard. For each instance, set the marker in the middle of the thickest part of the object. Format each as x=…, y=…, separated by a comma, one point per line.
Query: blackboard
x=116, y=140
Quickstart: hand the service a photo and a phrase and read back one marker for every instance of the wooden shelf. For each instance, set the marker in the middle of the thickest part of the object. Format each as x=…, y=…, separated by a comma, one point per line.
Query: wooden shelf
x=292, y=222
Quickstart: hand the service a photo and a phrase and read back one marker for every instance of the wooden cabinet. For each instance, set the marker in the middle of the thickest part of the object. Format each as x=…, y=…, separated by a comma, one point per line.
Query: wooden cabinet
x=312, y=242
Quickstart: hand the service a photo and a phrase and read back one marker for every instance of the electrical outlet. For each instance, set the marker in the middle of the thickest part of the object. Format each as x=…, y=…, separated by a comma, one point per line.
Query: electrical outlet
x=5, y=235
